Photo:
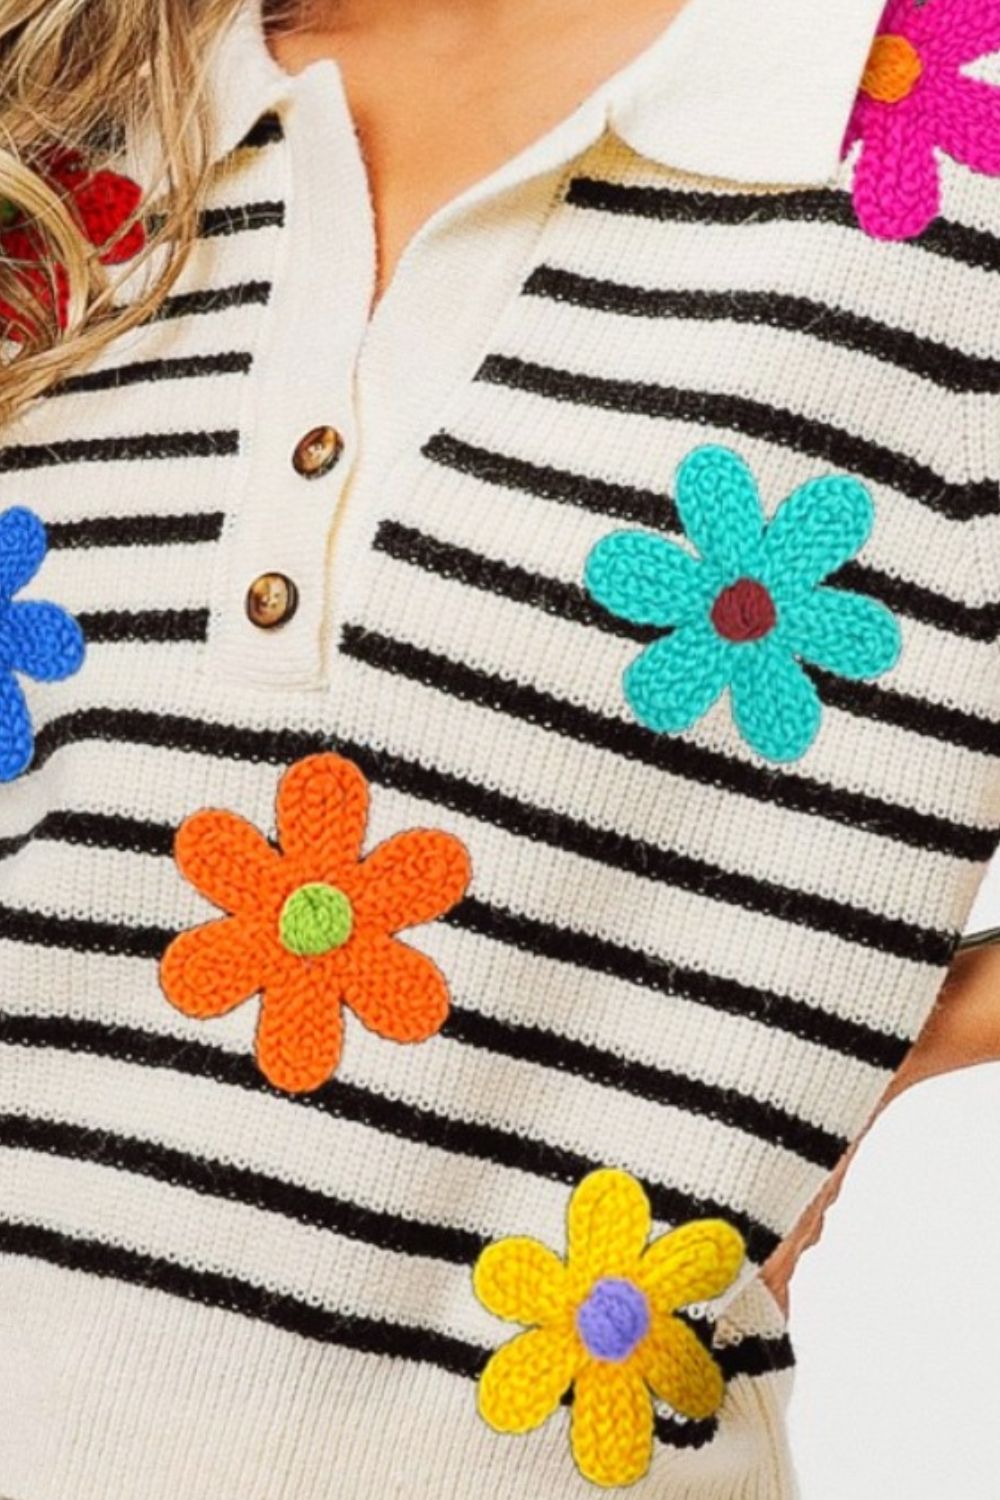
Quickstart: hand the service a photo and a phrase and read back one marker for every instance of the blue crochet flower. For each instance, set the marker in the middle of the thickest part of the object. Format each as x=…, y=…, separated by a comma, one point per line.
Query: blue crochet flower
x=40, y=640
x=750, y=608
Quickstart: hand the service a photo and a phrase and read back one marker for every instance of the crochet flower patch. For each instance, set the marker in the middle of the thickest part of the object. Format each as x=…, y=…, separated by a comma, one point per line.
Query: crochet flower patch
x=311, y=927
x=101, y=202
x=604, y=1323
x=38, y=640
x=744, y=612
x=915, y=101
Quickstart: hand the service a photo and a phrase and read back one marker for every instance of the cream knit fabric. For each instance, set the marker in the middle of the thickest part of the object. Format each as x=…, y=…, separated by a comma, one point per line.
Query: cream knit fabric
x=679, y=956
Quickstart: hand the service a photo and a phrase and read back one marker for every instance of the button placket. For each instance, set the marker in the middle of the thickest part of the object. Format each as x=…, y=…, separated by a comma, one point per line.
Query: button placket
x=297, y=461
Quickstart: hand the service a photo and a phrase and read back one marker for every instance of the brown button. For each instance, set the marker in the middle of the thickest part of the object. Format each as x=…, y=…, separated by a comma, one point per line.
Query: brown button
x=317, y=451
x=271, y=600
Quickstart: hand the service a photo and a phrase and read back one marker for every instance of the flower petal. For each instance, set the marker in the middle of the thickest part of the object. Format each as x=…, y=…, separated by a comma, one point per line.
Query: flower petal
x=523, y=1281
x=322, y=810
x=300, y=1029
x=897, y=188
x=678, y=678
x=17, y=740
x=775, y=705
x=394, y=990
x=41, y=640
x=694, y=1263
x=212, y=969
x=225, y=858
x=969, y=124
x=525, y=1380
x=815, y=531
x=842, y=632
x=681, y=1371
x=969, y=30
x=104, y=201
x=413, y=877
x=612, y=1423
x=646, y=579
x=22, y=549
x=608, y=1225
x=720, y=509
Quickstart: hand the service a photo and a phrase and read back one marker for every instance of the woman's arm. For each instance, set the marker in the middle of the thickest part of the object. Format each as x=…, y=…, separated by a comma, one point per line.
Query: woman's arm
x=963, y=1029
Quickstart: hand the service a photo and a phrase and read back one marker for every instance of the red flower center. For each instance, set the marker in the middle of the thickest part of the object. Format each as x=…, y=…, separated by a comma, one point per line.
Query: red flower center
x=744, y=611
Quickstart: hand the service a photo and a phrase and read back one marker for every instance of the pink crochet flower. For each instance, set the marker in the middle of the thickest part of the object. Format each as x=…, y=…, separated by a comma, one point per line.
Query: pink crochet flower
x=915, y=100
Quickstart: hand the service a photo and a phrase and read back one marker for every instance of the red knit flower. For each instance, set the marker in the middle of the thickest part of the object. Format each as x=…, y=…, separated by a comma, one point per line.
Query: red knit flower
x=101, y=202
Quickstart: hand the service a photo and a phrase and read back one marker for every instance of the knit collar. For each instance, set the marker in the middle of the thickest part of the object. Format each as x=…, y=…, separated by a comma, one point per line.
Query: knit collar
x=754, y=93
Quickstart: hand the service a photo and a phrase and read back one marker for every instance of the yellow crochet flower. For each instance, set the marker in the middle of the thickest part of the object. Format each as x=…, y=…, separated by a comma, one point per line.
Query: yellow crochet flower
x=604, y=1323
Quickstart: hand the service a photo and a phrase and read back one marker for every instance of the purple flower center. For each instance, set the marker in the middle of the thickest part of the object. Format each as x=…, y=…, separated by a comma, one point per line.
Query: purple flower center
x=744, y=611
x=614, y=1318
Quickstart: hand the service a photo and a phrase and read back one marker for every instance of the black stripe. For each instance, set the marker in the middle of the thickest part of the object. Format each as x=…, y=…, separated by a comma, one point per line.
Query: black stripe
x=950, y=368
x=623, y=501
x=147, y=445
x=756, y=419
x=267, y=131
x=958, y=242
x=867, y=700
x=666, y=752
x=781, y=1012
x=262, y=1304
x=136, y=531
x=446, y=560
x=321, y=1325
x=151, y=626
x=657, y=511
x=544, y=940
x=80, y=935
x=145, y=371
x=727, y=1106
x=916, y=715
x=103, y=831
x=229, y=219
x=213, y=300
x=976, y=622
x=220, y=1179
x=240, y=218
x=756, y=1356
x=347, y=1101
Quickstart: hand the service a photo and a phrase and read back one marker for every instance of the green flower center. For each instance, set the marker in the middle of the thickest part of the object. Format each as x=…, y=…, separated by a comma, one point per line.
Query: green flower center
x=8, y=213
x=314, y=920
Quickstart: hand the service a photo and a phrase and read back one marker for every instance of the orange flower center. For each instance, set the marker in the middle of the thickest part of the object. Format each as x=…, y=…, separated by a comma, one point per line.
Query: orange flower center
x=315, y=920
x=894, y=69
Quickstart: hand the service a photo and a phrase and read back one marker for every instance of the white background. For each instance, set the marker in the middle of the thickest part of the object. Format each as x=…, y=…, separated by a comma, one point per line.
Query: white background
x=896, y=1313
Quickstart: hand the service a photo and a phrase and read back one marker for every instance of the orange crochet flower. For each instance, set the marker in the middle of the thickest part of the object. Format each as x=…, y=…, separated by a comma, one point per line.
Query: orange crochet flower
x=311, y=926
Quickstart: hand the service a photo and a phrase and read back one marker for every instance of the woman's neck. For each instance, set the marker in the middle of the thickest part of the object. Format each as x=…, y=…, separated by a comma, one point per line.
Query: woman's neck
x=442, y=92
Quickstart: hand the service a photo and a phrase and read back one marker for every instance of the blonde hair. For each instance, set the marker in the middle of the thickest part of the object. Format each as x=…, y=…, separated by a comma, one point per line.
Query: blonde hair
x=82, y=75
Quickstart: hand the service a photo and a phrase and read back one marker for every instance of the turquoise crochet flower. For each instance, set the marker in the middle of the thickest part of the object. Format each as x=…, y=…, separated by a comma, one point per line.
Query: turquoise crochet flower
x=746, y=612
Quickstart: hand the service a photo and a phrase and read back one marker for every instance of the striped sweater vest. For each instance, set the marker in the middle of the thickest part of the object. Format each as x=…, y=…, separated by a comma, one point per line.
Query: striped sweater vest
x=674, y=955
